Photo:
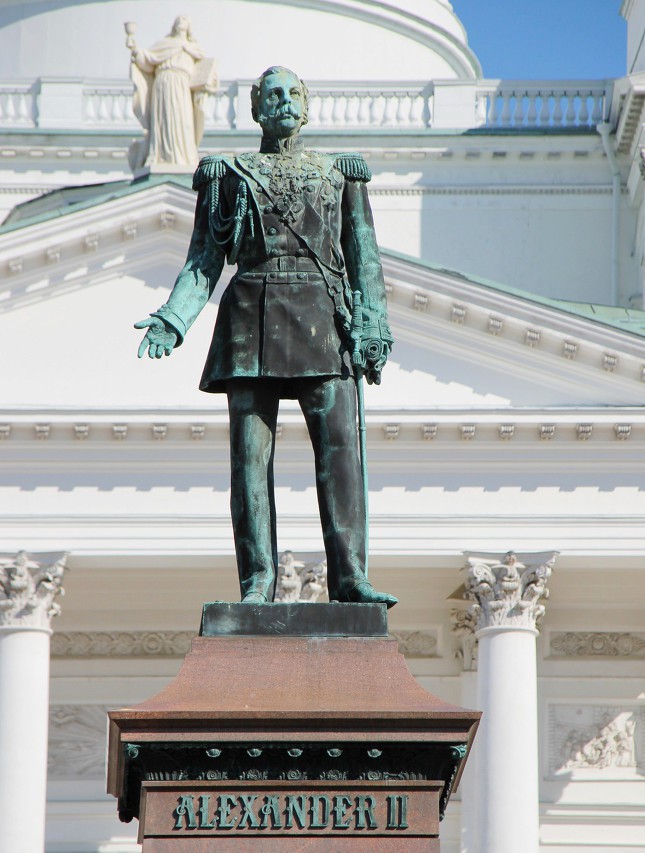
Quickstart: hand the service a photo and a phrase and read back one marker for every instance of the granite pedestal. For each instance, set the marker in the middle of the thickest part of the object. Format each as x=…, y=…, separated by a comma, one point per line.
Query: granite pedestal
x=290, y=727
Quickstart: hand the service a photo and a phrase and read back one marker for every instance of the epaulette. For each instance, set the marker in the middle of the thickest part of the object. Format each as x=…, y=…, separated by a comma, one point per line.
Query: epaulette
x=353, y=167
x=211, y=167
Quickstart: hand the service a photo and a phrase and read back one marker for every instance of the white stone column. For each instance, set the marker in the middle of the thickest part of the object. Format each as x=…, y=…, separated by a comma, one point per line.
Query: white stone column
x=464, y=624
x=505, y=594
x=27, y=591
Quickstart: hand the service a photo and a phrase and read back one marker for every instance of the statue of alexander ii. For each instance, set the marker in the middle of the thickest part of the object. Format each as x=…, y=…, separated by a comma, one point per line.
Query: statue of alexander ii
x=303, y=318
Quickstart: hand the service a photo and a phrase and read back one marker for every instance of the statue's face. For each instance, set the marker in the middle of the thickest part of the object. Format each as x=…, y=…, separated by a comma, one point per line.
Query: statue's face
x=180, y=27
x=280, y=106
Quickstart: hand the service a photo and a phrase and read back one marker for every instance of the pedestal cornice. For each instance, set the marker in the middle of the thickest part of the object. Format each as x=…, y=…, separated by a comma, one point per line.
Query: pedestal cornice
x=28, y=587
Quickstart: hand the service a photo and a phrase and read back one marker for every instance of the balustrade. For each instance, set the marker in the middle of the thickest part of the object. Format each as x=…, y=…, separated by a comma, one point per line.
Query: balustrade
x=407, y=106
x=517, y=104
x=17, y=105
x=108, y=106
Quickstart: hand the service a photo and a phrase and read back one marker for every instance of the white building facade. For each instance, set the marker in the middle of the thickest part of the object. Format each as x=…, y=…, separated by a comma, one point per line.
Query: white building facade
x=512, y=225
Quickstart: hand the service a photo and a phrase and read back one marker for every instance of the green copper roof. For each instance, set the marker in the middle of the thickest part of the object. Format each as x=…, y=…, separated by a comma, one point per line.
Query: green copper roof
x=625, y=319
x=72, y=199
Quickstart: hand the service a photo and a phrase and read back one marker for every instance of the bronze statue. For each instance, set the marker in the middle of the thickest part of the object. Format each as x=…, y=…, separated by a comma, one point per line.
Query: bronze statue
x=303, y=318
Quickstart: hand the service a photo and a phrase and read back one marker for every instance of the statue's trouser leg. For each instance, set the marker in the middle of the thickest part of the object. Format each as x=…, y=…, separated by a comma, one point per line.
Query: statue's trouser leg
x=329, y=407
x=253, y=410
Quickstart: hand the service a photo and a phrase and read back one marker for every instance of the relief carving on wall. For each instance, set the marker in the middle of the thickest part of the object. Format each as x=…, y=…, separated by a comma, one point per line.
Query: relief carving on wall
x=590, y=740
x=596, y=644
x=98, y=644
x=77, y=742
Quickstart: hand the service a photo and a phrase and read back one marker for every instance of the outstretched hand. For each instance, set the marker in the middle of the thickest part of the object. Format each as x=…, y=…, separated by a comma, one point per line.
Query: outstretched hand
x=160, y=339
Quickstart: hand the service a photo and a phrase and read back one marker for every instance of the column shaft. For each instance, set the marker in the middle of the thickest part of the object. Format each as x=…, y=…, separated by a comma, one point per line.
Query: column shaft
x=24, y=704
x=28, y=588
x=507, y=748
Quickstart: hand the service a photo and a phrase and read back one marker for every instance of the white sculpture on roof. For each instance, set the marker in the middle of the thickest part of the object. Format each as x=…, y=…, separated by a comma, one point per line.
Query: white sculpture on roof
x=171, y=80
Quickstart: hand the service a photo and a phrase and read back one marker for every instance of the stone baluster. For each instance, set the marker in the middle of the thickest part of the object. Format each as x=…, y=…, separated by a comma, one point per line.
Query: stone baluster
x=10, y=108
x=505, y=594
x=351, y=109
x=28, y=588
x=377, y=110
x=116, y=114
x=402, y=110
x=518, y=114
x=416, y=110
x=326, y=109
x=531, y=113
x=570, y=118
x=493, y=115
x=389, y=117
x=364, y=105
x=103, y=113
x=505, y=118
x=338, y=111
x=583, y=112
x=545, y=111
x=598, y=108
x=557, y=110
x=221, y=109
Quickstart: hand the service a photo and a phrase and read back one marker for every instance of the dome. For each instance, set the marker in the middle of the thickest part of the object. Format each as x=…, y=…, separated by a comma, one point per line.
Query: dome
x=319, y=39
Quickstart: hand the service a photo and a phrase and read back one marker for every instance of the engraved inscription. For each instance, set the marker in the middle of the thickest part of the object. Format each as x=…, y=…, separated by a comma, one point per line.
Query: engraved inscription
x=285, y=811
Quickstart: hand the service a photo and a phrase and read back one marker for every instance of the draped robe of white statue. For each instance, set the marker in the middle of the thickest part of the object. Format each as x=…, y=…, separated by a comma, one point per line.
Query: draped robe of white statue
x=165, y=103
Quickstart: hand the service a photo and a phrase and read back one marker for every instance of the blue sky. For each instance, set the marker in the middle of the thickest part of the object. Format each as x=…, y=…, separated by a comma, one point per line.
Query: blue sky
x=558, y=39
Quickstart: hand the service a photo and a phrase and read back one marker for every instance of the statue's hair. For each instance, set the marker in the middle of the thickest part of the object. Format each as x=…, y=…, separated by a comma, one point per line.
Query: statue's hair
x=255, y=92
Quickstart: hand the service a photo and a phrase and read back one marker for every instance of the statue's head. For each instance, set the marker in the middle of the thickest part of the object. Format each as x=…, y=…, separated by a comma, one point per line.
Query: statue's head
x=182, y=27
x=279, y=102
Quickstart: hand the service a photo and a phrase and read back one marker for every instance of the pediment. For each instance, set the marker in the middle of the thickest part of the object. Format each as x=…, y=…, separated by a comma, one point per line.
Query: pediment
x=74, y=285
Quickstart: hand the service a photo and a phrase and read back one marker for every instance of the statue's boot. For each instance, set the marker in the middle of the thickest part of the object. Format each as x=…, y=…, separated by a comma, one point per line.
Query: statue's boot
x=254, y=598
x=364, y=593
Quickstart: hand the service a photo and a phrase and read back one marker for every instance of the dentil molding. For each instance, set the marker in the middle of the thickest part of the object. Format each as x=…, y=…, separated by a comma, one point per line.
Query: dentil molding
x=28, y=587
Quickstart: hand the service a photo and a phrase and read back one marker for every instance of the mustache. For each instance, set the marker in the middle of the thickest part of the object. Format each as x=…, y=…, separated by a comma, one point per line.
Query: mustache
x=288, y=111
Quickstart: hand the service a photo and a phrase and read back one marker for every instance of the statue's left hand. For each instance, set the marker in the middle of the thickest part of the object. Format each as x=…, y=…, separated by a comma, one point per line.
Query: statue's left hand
x=160, y=338
x=375, y=356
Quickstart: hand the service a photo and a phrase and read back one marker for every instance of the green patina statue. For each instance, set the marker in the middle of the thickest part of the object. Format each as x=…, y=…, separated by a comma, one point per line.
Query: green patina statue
x=303, y=318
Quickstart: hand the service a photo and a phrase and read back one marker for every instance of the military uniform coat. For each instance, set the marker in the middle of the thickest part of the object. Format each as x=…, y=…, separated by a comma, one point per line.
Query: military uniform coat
x=299, y=226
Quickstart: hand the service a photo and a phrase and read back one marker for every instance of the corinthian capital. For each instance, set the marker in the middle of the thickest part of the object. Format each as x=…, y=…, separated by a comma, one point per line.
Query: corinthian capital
x=464, y=625
x=28, y=587
x=506, y=591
